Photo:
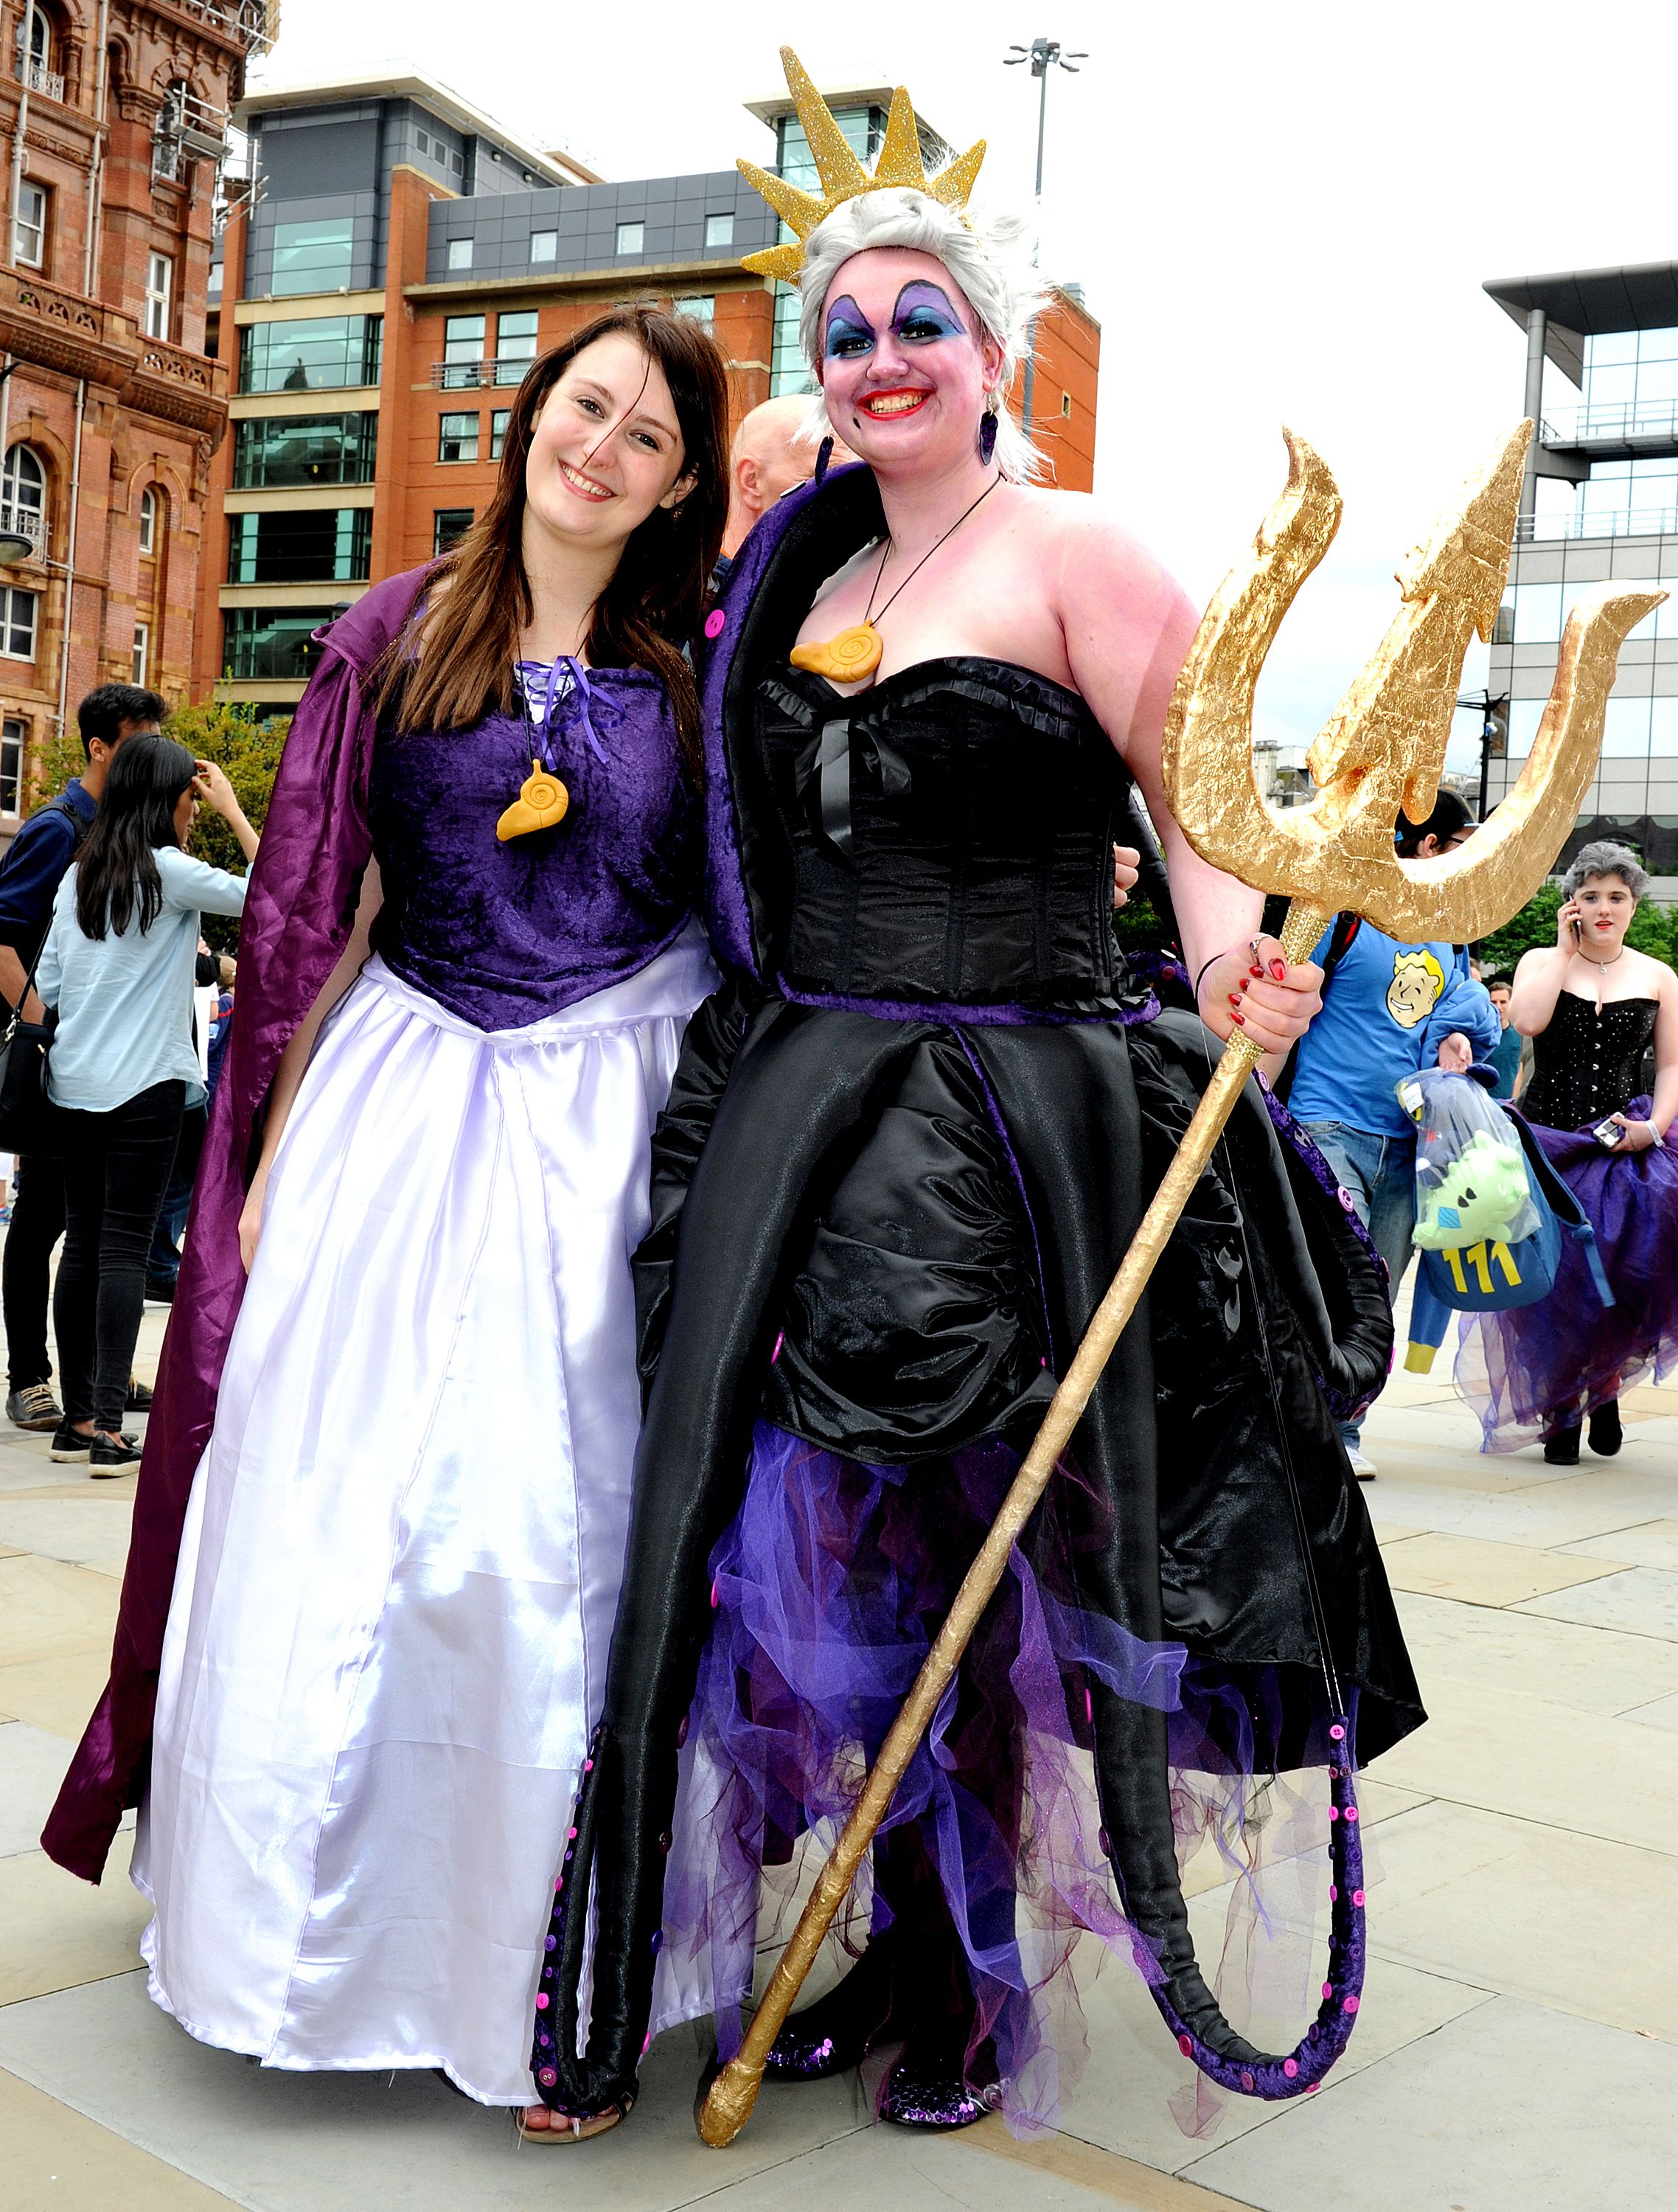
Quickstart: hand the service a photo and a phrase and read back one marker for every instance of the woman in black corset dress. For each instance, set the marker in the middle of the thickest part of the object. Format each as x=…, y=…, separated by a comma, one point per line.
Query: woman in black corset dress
x=1592, y=1005
x=909, y=1143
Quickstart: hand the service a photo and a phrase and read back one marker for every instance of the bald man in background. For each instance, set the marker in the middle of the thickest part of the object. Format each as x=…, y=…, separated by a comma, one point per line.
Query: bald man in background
x=768, y=459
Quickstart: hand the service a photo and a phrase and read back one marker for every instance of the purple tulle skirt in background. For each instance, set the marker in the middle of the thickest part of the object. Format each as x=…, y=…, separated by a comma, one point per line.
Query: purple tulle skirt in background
x=1543, y=1366
x=827, y=1589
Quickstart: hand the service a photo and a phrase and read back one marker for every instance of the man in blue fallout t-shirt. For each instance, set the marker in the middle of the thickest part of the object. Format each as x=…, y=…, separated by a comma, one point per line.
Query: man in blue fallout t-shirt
x=1389, y=1010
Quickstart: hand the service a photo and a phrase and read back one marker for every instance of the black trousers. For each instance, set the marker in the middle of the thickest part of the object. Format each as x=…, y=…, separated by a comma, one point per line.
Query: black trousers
x=37, y=1224
x=116, y=1170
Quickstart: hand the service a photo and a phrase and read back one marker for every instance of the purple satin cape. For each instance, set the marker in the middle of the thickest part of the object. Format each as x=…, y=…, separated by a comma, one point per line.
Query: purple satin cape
x=305, y=886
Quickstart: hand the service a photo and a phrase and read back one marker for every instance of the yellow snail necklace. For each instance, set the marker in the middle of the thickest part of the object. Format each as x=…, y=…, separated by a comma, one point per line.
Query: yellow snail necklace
x=543, y=798
x=856, y=653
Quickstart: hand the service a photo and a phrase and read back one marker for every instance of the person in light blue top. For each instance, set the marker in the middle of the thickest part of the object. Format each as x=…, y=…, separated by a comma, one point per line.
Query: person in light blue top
x=1388, y=1010
x=118, y=971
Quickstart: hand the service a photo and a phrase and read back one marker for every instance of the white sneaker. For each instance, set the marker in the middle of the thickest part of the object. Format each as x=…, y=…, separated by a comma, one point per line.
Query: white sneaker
x=1362, y=1467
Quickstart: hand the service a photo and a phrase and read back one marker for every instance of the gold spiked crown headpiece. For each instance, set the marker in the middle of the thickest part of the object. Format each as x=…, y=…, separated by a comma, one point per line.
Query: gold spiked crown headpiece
x=842, y=176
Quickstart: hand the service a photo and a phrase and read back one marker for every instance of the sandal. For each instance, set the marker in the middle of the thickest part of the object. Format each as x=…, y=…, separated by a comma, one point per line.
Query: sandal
x=562, y=2128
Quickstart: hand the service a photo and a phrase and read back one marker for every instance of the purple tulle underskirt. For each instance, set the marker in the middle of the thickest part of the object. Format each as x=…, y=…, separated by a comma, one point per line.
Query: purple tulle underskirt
x=827, y=1589
x=1541, y=1367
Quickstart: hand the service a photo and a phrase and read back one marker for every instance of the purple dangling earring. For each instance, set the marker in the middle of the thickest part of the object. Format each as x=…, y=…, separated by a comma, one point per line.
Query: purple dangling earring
x=823, y=455
x=987, y=436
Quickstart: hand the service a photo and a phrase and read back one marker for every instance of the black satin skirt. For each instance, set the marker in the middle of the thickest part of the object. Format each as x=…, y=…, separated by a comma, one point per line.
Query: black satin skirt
x=883, y=1240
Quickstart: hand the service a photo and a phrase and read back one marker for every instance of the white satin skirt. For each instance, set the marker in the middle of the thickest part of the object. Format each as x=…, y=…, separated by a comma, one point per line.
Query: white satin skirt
x=388, y=1637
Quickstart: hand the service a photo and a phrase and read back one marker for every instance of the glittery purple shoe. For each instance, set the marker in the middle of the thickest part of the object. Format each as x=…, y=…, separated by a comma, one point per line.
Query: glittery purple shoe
x=912, y=2102
x=834, y=2034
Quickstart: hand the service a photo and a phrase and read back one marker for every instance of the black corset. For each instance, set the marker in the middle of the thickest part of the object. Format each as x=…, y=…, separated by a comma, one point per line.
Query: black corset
x=1587, y=1065
x=951, y=834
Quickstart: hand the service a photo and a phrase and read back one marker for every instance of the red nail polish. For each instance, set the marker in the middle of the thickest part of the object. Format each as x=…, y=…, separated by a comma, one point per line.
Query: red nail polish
x=1238, y=1020
x=1278, y=969
x=1234, y=1001
x=1256, y=974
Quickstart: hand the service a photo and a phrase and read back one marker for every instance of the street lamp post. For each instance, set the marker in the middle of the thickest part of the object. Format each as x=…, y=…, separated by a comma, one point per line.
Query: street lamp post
x=1493, y=710
x=1044, y=54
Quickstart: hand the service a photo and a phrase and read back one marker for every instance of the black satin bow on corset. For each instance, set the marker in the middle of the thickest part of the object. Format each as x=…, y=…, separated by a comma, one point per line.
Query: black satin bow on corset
x=923, y=1211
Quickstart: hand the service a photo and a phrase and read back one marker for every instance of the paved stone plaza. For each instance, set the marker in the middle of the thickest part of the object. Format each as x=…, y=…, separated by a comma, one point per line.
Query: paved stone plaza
x=1517, y=2050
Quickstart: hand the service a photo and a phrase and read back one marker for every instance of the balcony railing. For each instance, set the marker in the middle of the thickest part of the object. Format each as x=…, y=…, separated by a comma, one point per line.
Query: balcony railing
x=471, y=375
x=251, y=23
x=1632, y=422
x=1625, y=522
x=28, y=522
x=39, y=78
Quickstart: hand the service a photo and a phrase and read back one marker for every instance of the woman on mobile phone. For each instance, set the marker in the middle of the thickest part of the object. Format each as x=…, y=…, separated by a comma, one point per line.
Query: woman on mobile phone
x=1592, y=1005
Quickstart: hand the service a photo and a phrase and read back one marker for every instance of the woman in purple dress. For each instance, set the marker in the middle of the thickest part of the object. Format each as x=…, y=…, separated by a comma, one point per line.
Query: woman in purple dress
x=1592, y=1005
x=405, y=1485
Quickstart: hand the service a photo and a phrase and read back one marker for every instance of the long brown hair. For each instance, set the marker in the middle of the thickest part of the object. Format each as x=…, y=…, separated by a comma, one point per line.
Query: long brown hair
x=449, y=676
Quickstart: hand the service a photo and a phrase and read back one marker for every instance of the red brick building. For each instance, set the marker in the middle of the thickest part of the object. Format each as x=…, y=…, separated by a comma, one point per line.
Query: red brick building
x=404, y=263
x=111, y=408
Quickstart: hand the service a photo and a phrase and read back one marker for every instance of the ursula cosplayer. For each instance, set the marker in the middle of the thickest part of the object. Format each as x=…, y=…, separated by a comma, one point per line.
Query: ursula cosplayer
x=907, y=1143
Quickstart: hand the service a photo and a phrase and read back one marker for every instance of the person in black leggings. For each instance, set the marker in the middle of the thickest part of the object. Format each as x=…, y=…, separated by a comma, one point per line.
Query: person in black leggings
x=118, y=967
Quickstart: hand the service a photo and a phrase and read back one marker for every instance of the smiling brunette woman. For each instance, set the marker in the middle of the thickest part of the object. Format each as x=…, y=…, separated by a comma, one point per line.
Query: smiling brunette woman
x=402, y=1449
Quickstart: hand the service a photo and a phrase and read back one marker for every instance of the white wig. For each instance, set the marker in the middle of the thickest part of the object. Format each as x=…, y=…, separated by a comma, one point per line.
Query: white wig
x=988, y=264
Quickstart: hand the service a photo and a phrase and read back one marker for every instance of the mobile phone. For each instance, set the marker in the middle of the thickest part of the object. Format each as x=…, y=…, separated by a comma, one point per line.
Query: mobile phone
x=1608, y=1134
x=1578, y=932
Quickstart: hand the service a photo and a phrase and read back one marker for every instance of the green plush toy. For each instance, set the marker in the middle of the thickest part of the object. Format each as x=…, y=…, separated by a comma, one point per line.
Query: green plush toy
x=1479, y=1196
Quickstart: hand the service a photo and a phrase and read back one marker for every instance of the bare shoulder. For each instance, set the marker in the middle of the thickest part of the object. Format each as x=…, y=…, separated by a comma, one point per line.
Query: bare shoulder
x=1101, y=567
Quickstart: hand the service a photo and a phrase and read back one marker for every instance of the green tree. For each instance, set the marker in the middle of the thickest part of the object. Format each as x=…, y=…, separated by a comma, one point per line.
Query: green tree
x=1652, y=931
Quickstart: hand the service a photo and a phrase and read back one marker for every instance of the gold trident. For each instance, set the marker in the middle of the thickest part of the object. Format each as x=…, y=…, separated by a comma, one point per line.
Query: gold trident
x=1383, y=746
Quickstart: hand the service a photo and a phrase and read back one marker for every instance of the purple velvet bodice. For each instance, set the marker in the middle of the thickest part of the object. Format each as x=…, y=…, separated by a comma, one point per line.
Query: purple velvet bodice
x=503, y=934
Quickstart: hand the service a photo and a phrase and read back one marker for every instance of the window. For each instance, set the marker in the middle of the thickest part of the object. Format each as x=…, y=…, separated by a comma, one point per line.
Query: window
x=459, y=253
x=719, y=230
x=269, y=641
x=788, y=370
x=698, y=307
x=23, y=496
x=29, y=232
x=159, y=286
x=304, y=449
x=215, y=284
x=301, y=545
x=13, y=738
x=457, y=437
x=448, y=525
x=545, y=245
x=1065, y=402
x=18, y=611
x=147, y=526
x=312, y=257
x=631, y=238
x=498, y=422
x=515, y=346
x=316, y=355
x=463, y=351
x=141, y=651
x=424, y=144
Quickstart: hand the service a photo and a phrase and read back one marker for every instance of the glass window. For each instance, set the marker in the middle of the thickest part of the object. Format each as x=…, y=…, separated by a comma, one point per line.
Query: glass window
x=1658, y=345
x=142, y=655
x=698, y=307
x=304, y=449
x=1613, y=388
x=545, y=245
x=259, y=642
x=449, y=524
x=318, y=355
x=720, y=229
x=1538, y=614
x=148, y=524
x=1524, y=715
x=13, y=738
x=160, y=288
x=631, y=238
x=1625, y=729
x=457, y=437
x=214, y=286
x=788, y=370
x=1606, y=348
x=515, y=346
x=29, y=233
x=463, y=351
x=18, y=613
x=312, y=257
x=498, y=422
x=459, y=253
x=1664, y=727
x=306, y=545
x=23, y=487
x=424, y=144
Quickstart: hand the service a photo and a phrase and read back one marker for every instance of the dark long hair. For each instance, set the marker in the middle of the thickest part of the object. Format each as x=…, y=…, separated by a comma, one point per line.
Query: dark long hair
x=117, y=873
x=1451, y=812
x=448, y=677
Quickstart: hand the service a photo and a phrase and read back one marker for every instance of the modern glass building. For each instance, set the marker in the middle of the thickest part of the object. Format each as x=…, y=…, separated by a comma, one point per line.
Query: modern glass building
x=1600, y=502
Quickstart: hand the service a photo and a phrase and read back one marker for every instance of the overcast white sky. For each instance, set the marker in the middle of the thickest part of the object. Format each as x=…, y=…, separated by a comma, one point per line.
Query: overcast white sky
x=1279, y=212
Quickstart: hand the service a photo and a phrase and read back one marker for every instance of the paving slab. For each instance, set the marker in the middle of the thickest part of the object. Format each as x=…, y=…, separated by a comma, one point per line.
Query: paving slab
x=1477, y=1572
x=1661, y=1714
x=1594, y=1670
x=1568, y=1509
x=51, y=1611
x=31, y=1766
x=58, y=1932
x=76, y=1529
x=1654, y=1544
x=55, y=2159
x=1643, y=1601
x=1510, y=2108
x=58, y=1694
